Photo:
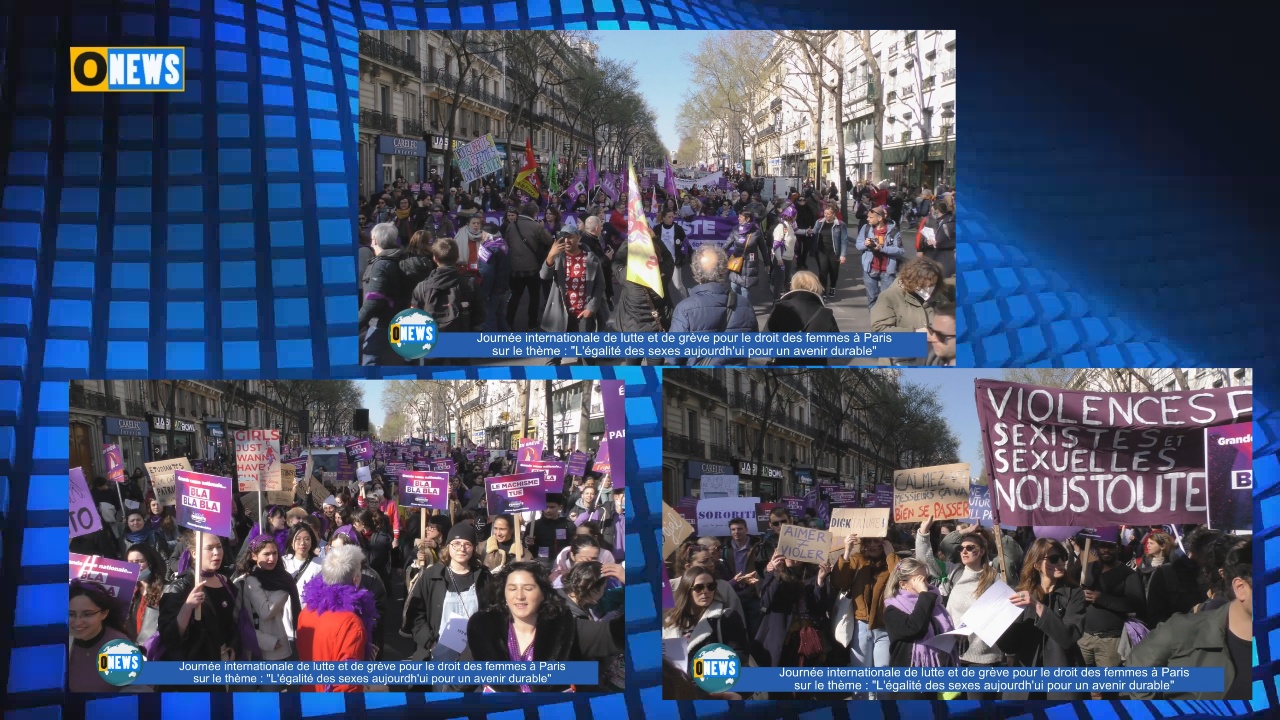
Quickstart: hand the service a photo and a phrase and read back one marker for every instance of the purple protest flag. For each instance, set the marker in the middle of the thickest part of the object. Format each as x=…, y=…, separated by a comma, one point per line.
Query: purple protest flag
x=84, y=517
x=428, y=490
x=516, y=493
x=552, y=470
x=1056, y=532
x=118, y=577
x=614, y=395
x=204, y=502
x=669, y=182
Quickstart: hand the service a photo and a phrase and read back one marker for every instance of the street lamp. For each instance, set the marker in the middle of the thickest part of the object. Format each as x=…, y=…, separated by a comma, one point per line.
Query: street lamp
x=947, y=115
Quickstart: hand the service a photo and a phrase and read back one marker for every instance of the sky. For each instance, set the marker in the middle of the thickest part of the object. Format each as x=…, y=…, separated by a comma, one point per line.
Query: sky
x=662, y=75
x=955, y=392
x=373, y=400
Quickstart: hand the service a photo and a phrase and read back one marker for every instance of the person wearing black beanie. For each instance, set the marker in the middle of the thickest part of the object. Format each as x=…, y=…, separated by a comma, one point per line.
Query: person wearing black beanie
x=446, y=596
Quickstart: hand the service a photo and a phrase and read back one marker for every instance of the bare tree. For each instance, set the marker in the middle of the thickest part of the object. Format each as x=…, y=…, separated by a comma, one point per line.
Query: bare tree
x=584, y=420
x=810, y=49
x=877, y=100
x=920, y=92
x=470, y=47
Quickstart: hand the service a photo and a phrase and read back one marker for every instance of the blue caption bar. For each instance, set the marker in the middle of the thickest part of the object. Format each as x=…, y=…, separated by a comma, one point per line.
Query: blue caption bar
x=406, y=672
x=800, y=346
x=984, y=679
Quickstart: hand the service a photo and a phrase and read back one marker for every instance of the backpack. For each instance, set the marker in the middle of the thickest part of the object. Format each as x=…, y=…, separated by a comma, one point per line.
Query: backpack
x=451, y=307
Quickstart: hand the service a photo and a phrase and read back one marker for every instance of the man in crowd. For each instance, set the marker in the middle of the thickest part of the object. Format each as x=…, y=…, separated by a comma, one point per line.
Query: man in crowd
x=712, y=306
x=942, y=336
x=745, y=560
x=551, y=532
x=384, y=287
x=1112, y=591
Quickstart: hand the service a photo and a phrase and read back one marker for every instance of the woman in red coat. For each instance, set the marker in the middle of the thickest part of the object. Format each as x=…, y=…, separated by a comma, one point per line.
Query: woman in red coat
x=337, y=616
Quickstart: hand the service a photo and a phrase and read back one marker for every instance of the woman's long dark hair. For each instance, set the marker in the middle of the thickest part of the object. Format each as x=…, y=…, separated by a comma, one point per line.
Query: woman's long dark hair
x=155, y=585
x=583, y=580
x=552, y=603
x=247, y=563
x=302, y=527
x=102, y=599
x=1030, y=580
x=685, y=614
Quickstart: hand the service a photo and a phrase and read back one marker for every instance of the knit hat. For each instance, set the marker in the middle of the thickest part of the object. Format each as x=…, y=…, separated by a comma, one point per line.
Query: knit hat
x=331, y=500
x=462, y=531
x=296, y=513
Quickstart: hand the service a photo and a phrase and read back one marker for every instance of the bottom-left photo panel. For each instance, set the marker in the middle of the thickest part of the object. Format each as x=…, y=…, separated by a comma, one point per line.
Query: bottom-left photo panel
x=346, y=536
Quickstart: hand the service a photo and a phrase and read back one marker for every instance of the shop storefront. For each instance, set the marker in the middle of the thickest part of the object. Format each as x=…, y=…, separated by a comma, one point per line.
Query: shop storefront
x=435, y=152
x=133, y=438
x=184, y=438
x=401, y=157
x=215, y=434
x=762, y=481
x=804, y=479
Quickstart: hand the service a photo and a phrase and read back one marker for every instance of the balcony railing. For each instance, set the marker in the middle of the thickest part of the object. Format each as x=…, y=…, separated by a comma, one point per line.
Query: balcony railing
x=700, y=380
x=134, y=408
x=682, y=445
x=893, y=95
x=90, y=400
x=927, y=85
x=949, y=75
x=411, y=127
x=374, y=120
x=390, y=54
x=720, y=453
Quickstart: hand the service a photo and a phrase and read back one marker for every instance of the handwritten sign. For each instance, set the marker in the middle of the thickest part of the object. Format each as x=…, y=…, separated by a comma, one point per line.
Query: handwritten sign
x=940, y=490
x=714, y=515
x=161, y=474
x=796, y=542
x=84, y=513
x=866, y=522
x=428, y=490
x=980, y=504
x=204, y=502
x=257, y=459
x=288, y=479
x=719, y=486
x=675, y=530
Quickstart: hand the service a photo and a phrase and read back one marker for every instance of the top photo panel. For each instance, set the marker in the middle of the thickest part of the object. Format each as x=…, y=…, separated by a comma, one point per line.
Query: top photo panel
x=657, y=198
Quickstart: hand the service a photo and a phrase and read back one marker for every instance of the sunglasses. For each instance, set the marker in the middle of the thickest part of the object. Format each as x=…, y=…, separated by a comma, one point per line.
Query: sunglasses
x=775, y=523
x=704, y=587
x=969, y=548
x=1055, y=559
x=943, y=337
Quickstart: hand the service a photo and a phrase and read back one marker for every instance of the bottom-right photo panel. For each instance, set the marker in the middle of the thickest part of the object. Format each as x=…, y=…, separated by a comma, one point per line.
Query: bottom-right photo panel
x=926, y=534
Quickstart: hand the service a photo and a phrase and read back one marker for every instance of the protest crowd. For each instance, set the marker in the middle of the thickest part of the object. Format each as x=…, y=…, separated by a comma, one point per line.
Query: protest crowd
x=350, y=565
x=472, y=259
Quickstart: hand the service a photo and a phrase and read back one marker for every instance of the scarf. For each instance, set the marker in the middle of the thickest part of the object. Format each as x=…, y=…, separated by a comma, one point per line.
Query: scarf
x=745, y=229
x=879, y=261
x=280, y=579
x=513, y=651
x=923, y=655
x=321, y=597
x=144, y=536
x=403, y=214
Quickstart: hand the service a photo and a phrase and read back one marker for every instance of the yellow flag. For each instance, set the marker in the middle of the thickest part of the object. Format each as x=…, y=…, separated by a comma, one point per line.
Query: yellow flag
x=642, y=261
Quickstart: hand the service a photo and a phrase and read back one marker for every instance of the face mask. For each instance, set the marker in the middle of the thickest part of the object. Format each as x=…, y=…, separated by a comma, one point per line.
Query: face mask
x=924, y=294
x=144, y=575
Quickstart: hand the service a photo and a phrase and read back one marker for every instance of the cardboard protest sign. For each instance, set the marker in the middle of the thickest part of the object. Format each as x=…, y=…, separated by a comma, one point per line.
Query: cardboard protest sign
x=1228, y=452
x=714, y=515
x=516, y=493
x=114, y=462
x=675, y=530
x=980, y=504
x=257, y=459
x=288, y=479
x=810, y=545
x=939, y=490
x=613, y=394
x=161, y=474
x=118, y=577
x=577, y=465
x=866, y=522
x=552, y=470
x=299, y=466
x=1065, y=457
x=84, y=517
x=718, y=486
x=428, y=490
x=204, y=502
x=529, y=450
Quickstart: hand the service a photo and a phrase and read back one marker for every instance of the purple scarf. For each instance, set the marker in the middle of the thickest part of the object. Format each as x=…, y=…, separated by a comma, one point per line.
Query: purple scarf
x=513, y=650
x=321, y=597
x=924, y=655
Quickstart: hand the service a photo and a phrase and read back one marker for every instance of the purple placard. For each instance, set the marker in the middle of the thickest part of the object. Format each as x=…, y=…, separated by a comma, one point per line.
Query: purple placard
x=614, y=394
x=444, y=465
x=881, y=498
x=1056, y=532
x=299, y=467
x=425, y=490
x=119, y=577
x=115, y=464
x=516, y=493
x=396, y=469
x=795, y=505
x=1228, y=452
x=980, y=504
x=529, y=450
x=552, y=470
x=84, y=517
x=668, y=599
x=360, y=450
x=204, y=502
x=844, y=498
x=577, y=465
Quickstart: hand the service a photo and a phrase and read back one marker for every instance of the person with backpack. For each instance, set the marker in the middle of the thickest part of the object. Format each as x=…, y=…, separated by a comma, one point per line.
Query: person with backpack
x=450, y=297
x=712, y=306
x=384, y=293
x=528, y=243
x=576, y=302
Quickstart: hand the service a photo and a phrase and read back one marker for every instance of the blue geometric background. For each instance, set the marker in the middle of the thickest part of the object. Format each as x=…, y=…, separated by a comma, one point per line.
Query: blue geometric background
x=209, y=234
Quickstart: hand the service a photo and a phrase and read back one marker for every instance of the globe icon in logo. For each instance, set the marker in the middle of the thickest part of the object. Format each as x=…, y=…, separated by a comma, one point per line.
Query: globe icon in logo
x=412, y=334
x=119, y=662
x=715, y=668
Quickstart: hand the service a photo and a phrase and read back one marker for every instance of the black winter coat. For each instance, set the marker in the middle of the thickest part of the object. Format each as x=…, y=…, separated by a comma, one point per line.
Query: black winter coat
x=637, y=308
x=425, y=606
x=944, y=233
x=1048, y=640
x=386, y=292
x=561, y=638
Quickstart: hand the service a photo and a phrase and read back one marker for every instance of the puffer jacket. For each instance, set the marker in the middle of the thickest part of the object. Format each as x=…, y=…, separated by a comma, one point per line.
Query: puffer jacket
x=892, y=248
x=749, y=247
x=704, y=311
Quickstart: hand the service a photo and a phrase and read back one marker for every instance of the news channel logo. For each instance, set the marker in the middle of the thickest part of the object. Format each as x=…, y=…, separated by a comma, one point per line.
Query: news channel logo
x=715, y=668
x=128, y=69
x=413, y=333
x=119, y=662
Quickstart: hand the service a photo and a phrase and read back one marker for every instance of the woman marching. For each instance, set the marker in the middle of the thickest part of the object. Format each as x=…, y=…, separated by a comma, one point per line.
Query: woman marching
x=302, y=559
x=143, y=622
x=701, y=617
x=218, y=634
x=94, y=620
x=795, y=623
x=269, y=595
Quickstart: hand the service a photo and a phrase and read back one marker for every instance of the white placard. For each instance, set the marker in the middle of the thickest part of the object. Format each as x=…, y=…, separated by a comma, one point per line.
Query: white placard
x=714, y=514
x=719, y=486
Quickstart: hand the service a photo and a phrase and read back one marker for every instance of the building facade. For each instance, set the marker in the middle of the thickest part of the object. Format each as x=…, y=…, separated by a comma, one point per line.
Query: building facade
x=391, y=138
x=1160, y=379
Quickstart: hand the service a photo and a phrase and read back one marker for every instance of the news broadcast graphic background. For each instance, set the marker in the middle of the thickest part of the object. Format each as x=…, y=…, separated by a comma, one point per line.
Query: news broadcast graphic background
x=210, y=234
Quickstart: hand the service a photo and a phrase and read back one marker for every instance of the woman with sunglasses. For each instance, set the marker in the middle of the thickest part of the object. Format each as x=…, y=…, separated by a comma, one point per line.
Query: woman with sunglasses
x=968, y=576
x=914, y=615
x=1052, y=618
x=701, y=617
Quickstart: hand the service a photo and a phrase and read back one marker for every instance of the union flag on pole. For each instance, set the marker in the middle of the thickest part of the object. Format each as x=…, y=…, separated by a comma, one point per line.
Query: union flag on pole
x=527, y=178
x=642, y=261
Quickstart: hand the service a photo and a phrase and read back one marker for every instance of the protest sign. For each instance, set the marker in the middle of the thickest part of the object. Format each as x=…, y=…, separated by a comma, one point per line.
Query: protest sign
x=360, y=450
x=980, y=504
x=763, y=510
x=1056, y=532
x=84, y=517
x=115, y=463
x=1065, y=457
x=529, y=450
x=552, y=470
x=161, y=474
x=444, y=465
x=668, y=599
x=714, y=515
x=299, y=466
x=882, y=497
x=675, y=530
x=990, y=615
x=703, y=230
x=940, y=491
x=718, y=486
x=478, y=158
x=602, y=466
x=257, y=459
x=844, y=498
x=866, y=522
x=288, y=478
x=1100, y=534
x=795, y=505
x=796, y=542
x=428, y=490
x=577, y=465
x=204, y=502
x=613, y=394
x=118, y=577
x=516, y=493
x=1228, y=452
x=364, y=474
